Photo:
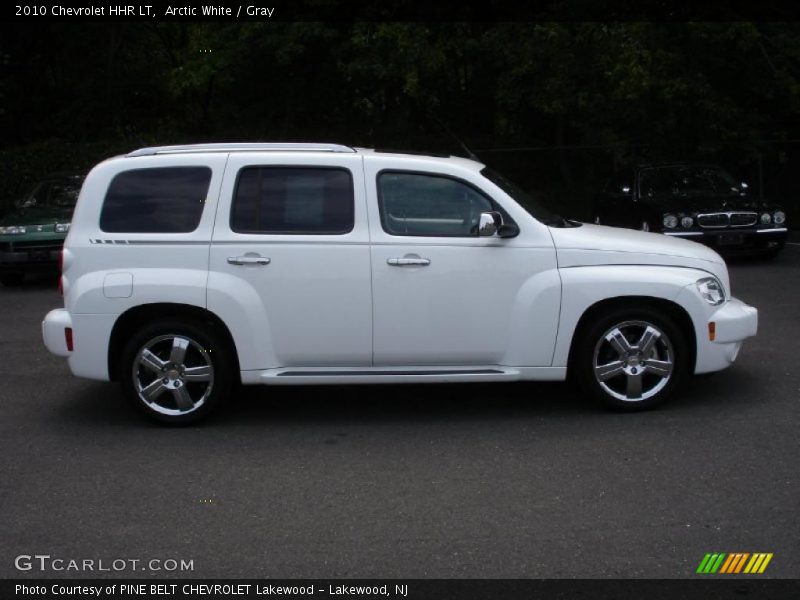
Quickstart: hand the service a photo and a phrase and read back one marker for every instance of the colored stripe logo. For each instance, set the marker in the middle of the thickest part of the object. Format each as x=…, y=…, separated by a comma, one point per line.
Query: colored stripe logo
x=734, y=562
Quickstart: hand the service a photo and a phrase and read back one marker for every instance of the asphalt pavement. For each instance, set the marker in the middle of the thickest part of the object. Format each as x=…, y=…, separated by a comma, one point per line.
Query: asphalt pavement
x=489, y=480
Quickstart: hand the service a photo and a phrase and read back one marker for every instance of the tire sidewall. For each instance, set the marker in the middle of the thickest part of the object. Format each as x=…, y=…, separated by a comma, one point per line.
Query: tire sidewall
x=207, y=337
x=583, y=358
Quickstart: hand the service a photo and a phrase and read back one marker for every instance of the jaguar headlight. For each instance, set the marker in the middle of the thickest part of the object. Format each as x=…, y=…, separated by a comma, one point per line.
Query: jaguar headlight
x=779, y=217
x=670, y=221
x=711, y=290
x=766, y=219
x=687, y=222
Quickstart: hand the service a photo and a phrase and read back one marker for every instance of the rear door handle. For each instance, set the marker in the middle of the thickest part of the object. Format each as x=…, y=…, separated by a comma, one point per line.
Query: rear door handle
x=408, y=262
x=248, y=260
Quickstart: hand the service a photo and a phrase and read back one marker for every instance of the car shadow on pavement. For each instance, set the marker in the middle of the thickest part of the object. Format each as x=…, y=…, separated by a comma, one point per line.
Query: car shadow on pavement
x=103, y=403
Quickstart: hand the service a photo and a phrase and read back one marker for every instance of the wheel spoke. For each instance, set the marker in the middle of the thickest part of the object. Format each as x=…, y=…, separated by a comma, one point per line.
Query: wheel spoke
x=151, y=361
x=634, y=389
x=182, y=398
x=618, y=342
x=647, y=341
x=607, y=371
x=153, y=390
x=178, y=353
x=662, y=368
x=197, y=374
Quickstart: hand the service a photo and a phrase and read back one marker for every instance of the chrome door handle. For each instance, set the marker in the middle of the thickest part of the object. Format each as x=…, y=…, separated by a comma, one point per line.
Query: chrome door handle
x=408, y=262
x=248, y=260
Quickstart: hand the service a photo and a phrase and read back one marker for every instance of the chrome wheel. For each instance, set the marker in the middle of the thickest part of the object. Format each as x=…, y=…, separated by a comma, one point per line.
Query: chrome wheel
x=633, y=361
x=173, y=375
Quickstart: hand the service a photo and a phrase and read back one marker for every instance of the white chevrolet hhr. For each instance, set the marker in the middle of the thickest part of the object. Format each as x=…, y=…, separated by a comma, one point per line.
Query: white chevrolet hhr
x=189, y=269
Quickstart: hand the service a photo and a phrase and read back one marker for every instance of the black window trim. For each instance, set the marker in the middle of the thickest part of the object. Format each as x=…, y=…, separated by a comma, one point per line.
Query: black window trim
x=178, y=166
x=298, y=167
x=495, y=204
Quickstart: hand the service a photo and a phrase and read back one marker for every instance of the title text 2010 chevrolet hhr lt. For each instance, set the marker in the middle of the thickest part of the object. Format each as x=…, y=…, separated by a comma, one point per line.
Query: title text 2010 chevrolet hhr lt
x=188, y=269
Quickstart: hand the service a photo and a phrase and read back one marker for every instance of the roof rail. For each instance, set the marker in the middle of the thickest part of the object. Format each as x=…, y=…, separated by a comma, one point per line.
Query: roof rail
x=241, y=147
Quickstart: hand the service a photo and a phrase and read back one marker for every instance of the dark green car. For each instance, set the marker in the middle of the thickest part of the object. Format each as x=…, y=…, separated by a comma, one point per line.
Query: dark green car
x=32, y=234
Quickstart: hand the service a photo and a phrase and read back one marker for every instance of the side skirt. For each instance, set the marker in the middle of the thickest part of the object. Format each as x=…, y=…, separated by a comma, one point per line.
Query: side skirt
x=376, y=375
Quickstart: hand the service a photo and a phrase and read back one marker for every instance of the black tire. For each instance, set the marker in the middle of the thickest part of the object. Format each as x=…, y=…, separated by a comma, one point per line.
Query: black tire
x=623, y=367
x=12, y=279
x=206, y=347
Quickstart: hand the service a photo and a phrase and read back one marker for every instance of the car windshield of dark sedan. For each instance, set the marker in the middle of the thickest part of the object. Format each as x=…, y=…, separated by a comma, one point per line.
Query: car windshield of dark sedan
x=682, y=182
x=524, y=199
x=61, y=193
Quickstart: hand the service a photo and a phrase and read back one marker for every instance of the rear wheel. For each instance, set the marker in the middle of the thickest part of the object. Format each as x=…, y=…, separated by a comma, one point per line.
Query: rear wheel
x=631, y=359
x=176, y=371
x=12, y=279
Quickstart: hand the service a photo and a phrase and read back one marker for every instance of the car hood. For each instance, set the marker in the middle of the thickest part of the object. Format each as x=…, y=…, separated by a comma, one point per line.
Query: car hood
x=591, y=245
x=37, y=216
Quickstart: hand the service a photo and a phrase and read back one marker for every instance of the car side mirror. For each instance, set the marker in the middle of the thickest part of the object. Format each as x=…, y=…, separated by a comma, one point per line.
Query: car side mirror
x=508, y=230
x=491, y=224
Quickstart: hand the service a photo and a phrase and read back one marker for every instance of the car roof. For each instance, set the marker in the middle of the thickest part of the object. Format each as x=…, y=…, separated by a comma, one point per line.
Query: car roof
x=225, y=147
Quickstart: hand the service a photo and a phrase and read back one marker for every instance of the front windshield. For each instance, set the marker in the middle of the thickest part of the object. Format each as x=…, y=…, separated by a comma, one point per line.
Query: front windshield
x=666, y=183
x=53, y=193
x=523, y=198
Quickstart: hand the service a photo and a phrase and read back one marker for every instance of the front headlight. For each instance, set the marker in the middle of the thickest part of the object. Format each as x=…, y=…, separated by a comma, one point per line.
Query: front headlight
x=670, y=221
x=62, y=227
x=13, y=229
x=711, y=290
x=766, y=219
x=779, y=217
x=687, y=222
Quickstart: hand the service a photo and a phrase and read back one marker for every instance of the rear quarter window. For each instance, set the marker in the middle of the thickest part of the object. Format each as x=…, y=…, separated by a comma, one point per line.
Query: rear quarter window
x=158, y=200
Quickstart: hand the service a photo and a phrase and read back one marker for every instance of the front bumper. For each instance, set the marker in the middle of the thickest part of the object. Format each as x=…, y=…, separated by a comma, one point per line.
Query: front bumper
x=733, y=322
x=737, y=240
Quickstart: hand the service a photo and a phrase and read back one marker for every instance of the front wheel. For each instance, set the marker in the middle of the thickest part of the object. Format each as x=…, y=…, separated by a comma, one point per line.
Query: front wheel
x=631, y=359
x=175, y=371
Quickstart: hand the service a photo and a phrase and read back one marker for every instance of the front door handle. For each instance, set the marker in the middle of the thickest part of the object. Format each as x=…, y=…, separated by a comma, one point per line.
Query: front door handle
x=408, y=262
x=248, y=260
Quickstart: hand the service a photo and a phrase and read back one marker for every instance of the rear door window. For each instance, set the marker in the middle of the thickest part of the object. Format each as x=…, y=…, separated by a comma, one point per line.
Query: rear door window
x=293, y=200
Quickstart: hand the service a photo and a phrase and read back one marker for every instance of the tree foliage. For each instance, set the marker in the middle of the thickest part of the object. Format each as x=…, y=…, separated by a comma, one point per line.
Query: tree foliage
x=672, y=88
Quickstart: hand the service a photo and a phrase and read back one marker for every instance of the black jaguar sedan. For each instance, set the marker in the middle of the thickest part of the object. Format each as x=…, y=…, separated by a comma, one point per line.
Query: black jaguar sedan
x=697, y=202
